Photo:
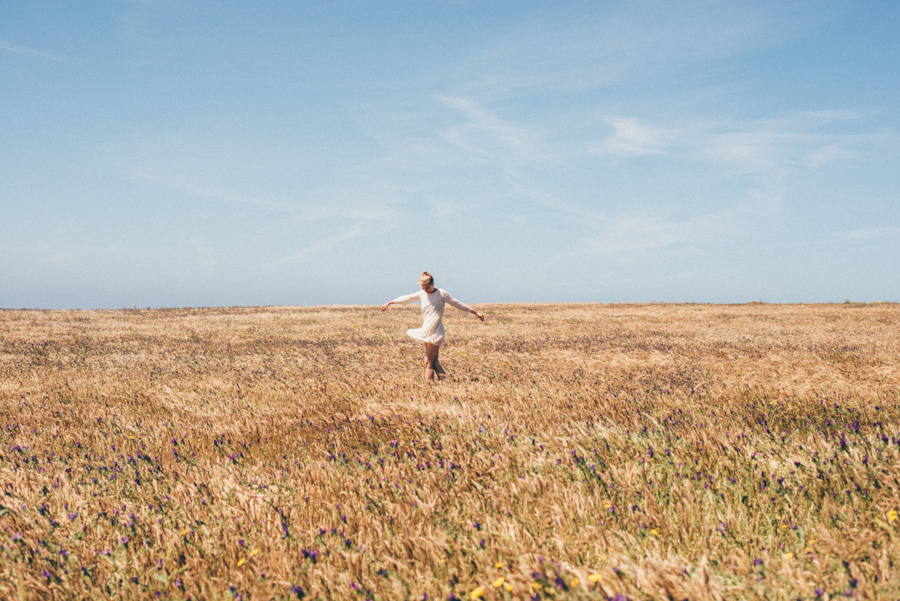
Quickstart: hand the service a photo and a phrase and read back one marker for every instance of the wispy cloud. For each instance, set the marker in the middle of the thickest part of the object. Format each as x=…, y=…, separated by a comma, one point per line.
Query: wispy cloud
x=629, y=235
x=29, y=52
x=630, y=136
x=871, y=233
x=212, y=171
x=488, y=137
x=601, y=46
x=214, y=193
x=764, y=146
x=307, y=252
x=805, y=140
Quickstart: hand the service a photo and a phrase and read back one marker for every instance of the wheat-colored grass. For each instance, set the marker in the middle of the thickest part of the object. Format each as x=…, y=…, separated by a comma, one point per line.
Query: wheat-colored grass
x=576, y=451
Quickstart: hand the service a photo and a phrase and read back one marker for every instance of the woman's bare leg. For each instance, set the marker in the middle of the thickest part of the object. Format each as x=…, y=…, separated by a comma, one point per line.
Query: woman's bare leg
x=431, y=353
x=436, y=365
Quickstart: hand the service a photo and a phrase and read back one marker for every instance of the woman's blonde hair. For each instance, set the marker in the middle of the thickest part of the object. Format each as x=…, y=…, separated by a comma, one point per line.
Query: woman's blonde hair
x=426, y=278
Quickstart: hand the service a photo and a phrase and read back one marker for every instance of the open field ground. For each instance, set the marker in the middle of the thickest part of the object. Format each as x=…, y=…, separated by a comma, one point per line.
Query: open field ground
x=576, y=451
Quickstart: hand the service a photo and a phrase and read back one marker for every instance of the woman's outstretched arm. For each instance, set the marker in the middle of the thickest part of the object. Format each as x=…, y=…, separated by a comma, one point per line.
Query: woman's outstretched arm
x=448, y=298
x=401, y=300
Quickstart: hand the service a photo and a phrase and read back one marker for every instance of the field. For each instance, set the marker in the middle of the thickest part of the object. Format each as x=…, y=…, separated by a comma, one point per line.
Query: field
x=575, y=452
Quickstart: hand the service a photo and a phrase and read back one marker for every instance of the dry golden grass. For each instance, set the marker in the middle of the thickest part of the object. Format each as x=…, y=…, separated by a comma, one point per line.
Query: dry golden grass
x=577, y=451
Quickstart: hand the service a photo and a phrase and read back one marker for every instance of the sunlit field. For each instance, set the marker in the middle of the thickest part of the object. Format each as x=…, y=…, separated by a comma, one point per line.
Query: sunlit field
x=574, y=452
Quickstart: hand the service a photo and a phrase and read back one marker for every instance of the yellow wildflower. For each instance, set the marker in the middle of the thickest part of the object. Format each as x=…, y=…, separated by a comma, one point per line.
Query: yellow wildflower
x=507, y=586
x=499, y=582
x=253, y=552
x=788, y=555
x=242, y=561
x=654, y=531
x=595, y=578
x=575, y=582
x=537, y=587
x=477, y=593
x=185, y=532
x=892, y=515
x=498, y=565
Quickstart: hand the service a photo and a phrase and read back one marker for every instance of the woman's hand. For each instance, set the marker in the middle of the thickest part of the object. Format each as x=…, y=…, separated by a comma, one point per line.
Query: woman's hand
x=386, y=305
x=478, y=315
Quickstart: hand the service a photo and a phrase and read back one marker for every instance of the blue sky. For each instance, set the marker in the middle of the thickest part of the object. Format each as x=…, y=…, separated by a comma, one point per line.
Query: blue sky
x=170, y=154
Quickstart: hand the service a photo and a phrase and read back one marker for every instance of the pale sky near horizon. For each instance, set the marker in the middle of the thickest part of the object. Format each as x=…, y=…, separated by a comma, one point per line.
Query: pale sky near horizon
x=169, y=153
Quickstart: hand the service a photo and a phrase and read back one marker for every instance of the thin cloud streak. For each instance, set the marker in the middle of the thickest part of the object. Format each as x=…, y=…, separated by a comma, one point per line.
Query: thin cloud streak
x=604, y=48
x=30, y=52
x=181, y=165
x=215, y=194
x=630, y=235
x=631, y=137
x=306, y=253
x=870, y=233
x=488, y=137
x=798, y=141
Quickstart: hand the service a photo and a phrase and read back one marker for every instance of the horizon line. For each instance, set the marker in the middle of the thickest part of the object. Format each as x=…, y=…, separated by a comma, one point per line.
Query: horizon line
x=136, y=309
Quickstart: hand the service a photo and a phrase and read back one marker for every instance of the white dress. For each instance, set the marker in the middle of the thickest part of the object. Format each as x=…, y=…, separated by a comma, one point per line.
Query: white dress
x=432, y=330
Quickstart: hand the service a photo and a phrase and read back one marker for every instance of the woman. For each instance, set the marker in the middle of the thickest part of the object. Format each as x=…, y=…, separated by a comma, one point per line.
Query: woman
x=432, y=330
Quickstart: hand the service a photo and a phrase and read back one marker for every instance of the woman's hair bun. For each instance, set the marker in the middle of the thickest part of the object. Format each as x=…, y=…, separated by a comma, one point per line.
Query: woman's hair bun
x=426, y=277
